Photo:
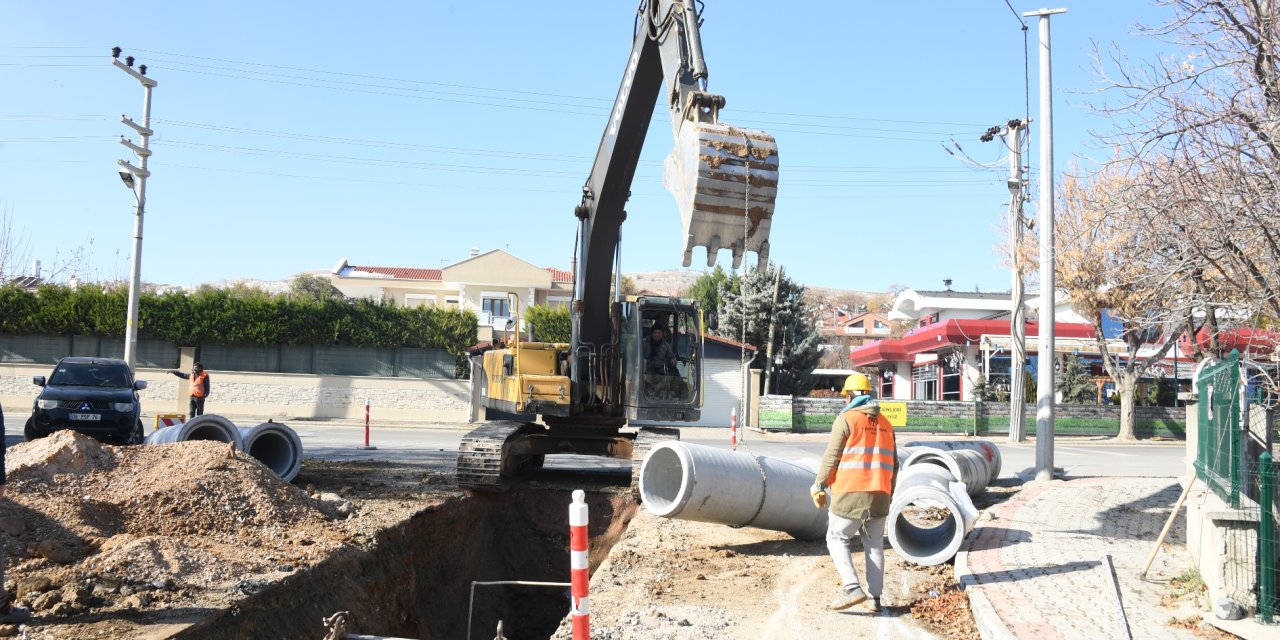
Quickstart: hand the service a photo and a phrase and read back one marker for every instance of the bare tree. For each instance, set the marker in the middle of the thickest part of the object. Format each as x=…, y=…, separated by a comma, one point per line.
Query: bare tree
x=1114, y=258
x=1204, y=127
x=15, y=255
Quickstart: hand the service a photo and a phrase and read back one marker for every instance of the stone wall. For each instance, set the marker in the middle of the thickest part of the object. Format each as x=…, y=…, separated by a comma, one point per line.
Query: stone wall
x=783, y=413
x=280, y=396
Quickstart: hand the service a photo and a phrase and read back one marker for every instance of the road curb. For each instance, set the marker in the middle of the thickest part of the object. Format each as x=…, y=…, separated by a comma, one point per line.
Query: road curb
x=990, y=626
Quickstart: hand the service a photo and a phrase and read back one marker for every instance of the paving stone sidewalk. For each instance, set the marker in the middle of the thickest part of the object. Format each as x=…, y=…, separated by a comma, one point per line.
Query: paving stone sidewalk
x=1035, y=567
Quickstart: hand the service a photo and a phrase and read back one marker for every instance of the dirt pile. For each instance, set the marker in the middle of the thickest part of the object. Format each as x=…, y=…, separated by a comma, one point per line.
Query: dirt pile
x=96, y=531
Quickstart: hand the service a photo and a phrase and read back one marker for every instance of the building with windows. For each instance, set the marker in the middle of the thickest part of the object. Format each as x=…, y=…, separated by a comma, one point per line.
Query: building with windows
x=484, y=283
x=963, y=339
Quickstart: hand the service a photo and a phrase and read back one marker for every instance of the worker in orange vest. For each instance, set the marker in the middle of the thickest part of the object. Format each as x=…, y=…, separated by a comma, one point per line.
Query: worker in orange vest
x=859, y=468
x=200, y=388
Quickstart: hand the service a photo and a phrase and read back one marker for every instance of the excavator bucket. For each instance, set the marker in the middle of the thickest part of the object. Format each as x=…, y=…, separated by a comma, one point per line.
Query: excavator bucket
x=725, y=180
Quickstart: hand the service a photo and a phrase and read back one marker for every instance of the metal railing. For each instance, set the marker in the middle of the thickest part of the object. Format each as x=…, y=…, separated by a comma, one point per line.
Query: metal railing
x=1218, y=455
x=1238, y=466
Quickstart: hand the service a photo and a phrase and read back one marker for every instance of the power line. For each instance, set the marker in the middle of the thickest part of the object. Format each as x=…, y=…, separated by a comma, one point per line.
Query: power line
x=605, y=102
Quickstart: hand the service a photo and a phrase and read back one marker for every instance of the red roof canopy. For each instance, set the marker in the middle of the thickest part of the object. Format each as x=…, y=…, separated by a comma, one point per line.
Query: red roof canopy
x=948, y=333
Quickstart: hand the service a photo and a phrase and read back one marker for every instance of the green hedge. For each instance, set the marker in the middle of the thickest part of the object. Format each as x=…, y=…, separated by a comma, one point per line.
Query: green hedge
x=235, y=317
x=550, y=324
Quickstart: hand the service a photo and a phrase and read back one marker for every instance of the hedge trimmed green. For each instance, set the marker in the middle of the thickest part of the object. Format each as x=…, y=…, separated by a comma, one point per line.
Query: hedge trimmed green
x=550, y=324
x=235, y=317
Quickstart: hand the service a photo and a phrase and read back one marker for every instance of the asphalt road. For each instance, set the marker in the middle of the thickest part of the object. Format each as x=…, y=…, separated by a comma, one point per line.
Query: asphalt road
x=1076, y=456
x=438, y=444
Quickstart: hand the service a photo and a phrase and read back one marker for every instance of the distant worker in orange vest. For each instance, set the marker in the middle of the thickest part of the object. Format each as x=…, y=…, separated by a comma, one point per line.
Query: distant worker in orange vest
x=859, y=468
x=200, y=388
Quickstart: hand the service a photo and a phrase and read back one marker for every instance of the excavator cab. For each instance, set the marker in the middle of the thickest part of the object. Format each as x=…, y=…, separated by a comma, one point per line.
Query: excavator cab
x=661, y=345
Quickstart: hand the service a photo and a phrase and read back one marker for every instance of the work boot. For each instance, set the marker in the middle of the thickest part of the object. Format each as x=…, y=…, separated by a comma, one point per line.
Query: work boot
x=10, y=614
x=847, y=599
x=874, y=604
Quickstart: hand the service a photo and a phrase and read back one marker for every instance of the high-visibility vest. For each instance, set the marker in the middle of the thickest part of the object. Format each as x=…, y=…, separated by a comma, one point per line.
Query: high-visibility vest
x=867, y=461
x=197, y=384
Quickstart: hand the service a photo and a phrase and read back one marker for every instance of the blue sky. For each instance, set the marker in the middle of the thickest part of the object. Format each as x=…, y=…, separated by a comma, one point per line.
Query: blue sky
x=292, y=135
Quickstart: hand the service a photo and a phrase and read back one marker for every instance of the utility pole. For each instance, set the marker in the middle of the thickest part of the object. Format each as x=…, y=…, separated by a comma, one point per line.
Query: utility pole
x=139, y=188
x=1012, y=135
x=1017, y=319
x=1046, y=355
x=773, y=321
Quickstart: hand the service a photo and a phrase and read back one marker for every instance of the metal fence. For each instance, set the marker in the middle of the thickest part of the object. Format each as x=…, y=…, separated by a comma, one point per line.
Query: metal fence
x=1219, y=454
x=1235, y=459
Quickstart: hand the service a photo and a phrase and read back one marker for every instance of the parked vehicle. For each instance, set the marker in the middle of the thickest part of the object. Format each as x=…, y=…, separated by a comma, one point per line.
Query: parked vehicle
x=95, y=396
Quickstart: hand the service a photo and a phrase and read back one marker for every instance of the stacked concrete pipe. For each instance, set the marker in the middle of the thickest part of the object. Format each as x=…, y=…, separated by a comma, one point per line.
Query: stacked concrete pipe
x=206, y=427
x=693, y=482
x=987, y=448
x=275, y=445
x=939, y=474
x=966, y=466
x=929, y=485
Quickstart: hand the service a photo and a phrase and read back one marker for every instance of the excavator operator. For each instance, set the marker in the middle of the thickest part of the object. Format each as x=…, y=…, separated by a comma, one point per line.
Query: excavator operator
x=659, y=363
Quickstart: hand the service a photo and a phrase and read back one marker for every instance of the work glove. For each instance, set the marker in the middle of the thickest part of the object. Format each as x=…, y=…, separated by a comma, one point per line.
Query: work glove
x=819, y=496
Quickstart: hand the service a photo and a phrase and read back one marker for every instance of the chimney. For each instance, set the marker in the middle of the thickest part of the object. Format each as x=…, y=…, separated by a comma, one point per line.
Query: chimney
x=475, y=251
x=573, y=266
x=946, y=282
x=35, y=269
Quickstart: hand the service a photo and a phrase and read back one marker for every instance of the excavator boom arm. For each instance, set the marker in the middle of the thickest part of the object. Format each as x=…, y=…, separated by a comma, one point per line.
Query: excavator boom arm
x=724, y=178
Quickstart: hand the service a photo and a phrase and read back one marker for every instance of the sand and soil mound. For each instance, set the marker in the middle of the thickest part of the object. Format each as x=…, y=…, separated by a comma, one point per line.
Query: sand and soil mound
x=112, y=531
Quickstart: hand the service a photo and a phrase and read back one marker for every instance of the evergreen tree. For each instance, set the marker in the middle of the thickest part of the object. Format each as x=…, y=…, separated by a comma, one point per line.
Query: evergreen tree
x=1075, y=384
x=747, y=313
x=706, y=289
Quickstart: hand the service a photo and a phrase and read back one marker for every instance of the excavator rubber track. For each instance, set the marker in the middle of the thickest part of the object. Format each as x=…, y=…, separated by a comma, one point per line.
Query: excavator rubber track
x=646, y=439
x=480, y=455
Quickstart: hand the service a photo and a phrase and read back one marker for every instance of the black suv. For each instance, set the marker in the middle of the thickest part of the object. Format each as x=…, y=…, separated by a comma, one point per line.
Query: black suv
x=95, y=396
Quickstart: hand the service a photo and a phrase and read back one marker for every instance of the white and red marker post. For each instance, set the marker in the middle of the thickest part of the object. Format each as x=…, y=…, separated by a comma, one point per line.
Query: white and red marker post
x=579, y=577
x=366, y=426
x=733, y=429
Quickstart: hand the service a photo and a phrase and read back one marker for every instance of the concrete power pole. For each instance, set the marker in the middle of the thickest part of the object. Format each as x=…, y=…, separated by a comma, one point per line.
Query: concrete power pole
x=139, y=187
x=1017, y=321
x=1048, y=285
x=773, y=321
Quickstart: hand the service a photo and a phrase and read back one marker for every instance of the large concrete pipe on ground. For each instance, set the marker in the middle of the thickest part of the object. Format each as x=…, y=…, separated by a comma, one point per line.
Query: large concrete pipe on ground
x=929, y=485
x=987, y=448
x=693, y=482
x=275, y=445
x=966, y=465
x=206, y=427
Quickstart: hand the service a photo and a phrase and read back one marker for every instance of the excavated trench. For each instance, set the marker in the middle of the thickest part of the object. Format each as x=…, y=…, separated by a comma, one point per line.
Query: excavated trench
x=415, y=580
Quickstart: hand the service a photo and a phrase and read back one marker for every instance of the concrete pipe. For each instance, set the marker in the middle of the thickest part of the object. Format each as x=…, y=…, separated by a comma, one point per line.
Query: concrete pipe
x=987, y=448
x=694, y=482
x=928, y=485
x=275, y=445
x=206, y=427
x=966, y=465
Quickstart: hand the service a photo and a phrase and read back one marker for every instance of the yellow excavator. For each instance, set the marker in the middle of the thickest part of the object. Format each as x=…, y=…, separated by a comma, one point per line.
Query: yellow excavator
x=634, y=357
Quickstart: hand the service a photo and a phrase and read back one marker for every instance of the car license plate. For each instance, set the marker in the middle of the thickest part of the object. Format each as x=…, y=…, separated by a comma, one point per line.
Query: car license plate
x=86, y=416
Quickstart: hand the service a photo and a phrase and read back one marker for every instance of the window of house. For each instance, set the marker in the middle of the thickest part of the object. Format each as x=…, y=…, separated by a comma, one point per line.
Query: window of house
x=924, y=381
x=881, y=326
x=951, y=365
x=886, y=384
x=496, y=307
x=419, y=300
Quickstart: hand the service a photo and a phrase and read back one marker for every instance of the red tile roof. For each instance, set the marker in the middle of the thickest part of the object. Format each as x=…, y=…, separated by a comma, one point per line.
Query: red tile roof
x=726, y=341
x=560, y=275
x=405, y=273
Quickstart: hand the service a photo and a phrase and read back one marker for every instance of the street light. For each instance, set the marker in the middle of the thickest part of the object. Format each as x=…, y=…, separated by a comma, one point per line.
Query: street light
x=136, y=179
